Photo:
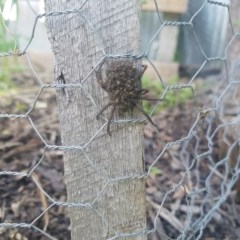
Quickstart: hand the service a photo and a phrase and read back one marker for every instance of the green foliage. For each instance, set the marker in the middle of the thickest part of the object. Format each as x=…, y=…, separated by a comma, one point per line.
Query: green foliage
x=172, y=98
x=155, y=171
x=236, y=22
x=5, y=76
x=8, y=43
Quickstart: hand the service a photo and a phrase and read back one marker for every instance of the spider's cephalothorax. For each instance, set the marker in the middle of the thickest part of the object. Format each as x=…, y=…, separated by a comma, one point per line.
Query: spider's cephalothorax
x=122, y=82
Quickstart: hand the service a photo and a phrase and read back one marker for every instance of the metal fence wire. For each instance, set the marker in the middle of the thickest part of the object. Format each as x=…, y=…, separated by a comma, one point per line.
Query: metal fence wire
x=200, y=202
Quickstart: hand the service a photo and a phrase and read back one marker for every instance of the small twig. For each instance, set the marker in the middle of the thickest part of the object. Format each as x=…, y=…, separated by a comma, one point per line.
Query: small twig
x=43, y=201
x=167, y=216
x=160, y=232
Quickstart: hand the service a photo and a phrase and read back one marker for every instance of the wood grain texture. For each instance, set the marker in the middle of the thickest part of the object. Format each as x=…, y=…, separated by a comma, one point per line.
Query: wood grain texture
x=120, y=205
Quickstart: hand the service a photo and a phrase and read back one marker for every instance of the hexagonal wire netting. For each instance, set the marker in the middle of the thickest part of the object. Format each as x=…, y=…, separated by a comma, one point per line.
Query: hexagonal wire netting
x=196, y=204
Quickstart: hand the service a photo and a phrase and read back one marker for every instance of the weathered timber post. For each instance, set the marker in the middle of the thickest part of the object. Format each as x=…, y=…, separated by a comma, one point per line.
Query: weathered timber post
x=100, y=177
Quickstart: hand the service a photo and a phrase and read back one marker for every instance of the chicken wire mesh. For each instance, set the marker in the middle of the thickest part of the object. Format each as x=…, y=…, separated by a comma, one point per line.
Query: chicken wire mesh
x=194, y=205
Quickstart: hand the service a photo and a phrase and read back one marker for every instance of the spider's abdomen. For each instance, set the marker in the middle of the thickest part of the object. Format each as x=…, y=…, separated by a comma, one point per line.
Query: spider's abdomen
x=123, y=84
x=124, y=92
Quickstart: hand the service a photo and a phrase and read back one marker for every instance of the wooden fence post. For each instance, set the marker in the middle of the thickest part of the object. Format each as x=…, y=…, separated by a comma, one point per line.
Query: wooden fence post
x=100, y=177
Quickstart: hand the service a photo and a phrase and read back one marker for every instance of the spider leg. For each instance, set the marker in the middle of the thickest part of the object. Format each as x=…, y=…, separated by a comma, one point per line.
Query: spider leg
x=143, y=91
x=99, y=76
x=143, y=70
x=151, y=99
x=103, y=109
x=110, y=120
x=140, y=109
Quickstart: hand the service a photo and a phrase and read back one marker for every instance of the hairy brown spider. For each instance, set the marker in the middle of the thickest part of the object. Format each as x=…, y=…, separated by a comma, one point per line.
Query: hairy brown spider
x=123, y=85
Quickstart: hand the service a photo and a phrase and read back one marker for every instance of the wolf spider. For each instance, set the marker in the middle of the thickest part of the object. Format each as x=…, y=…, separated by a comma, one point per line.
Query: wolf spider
x=123, y=85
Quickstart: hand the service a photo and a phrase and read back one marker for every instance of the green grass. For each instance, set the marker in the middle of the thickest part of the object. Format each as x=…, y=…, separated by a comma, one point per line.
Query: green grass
x=236, y=22
x=155, y=171
x=8, y=43
x=172, y=98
